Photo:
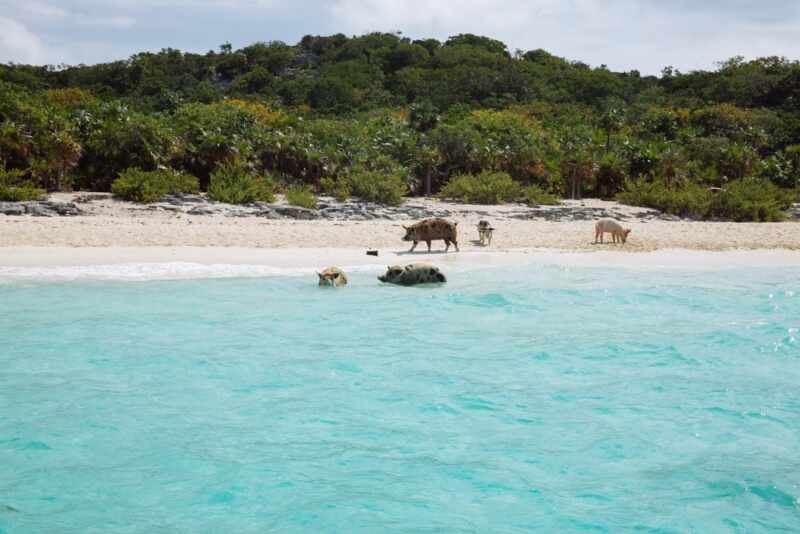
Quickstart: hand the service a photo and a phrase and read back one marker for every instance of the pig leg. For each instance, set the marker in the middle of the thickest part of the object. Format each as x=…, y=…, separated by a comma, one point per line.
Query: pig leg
x=429, y=244
x=413, y=246
x=446, y=245
x=456, y=243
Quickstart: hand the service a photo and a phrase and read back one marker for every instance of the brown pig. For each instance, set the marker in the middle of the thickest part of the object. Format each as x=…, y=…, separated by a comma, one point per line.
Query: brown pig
x=431, y=230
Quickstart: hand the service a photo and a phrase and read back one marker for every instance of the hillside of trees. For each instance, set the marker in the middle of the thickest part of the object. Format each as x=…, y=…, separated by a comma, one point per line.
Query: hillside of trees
x=380, y=116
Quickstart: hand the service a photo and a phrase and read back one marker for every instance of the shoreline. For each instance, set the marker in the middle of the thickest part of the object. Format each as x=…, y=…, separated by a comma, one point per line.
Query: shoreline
x=171, y=263
x=112, y=239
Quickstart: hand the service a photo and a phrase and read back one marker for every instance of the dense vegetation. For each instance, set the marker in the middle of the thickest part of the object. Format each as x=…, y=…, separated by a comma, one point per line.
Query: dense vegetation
x=380, y=116
x=149, y=186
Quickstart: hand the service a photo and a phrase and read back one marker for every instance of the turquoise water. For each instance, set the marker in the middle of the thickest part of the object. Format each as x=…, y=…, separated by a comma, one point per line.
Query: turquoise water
x=539, y=399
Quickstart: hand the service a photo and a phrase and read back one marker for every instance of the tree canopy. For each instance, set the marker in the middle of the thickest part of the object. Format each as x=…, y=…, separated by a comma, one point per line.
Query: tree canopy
x=342, y=114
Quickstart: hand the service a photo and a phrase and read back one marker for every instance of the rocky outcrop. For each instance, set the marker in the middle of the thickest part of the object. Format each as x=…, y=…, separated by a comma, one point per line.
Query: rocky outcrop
x=328, y=208
x=39, y=208
x=354, y=210
x=564, y=212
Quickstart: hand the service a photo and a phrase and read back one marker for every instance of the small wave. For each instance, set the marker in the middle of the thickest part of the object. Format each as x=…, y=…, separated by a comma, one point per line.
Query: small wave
x=158, y=271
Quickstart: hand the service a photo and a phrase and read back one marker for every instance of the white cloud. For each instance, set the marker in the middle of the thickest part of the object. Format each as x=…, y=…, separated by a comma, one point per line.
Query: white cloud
x=18, y=44
x=43, y=10
x=131, y=4
x=108, y=22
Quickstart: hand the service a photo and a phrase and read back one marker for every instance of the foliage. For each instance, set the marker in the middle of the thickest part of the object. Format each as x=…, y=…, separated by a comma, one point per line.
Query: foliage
x=380, y=116
x=691, y=201
x=301, y=196
x=339, y=189
x=748, y=199
x=537, y=196
x=13, y=188
x=117, y=139
x=423, y=116
x=509, y=141
x=137, y=185
x=485, y=188
x=216, y=133
x=379, y=181
x=235, y=183
x=610, y=176
x=783, y=168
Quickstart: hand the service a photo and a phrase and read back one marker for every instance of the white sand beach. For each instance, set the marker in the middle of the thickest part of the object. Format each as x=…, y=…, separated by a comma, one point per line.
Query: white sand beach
x=114, y=239
x=112, y=223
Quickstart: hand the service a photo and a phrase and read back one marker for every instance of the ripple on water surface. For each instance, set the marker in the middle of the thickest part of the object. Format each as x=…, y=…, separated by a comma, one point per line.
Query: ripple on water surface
x=508, y=400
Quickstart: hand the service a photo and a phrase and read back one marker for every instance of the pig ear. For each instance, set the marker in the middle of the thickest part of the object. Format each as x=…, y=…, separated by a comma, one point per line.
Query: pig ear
x=404, y=227
x=320, y=276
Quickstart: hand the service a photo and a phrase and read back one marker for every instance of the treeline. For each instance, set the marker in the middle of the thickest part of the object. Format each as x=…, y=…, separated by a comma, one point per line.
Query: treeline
x=380, y=116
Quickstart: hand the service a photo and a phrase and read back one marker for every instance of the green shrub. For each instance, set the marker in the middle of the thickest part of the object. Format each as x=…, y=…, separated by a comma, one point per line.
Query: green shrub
x=751, y=199
x=484, y=188
x=342, y=193
x=137, y=185
x=610, y=176
x=748, y=199
x=119, y=139
x=380, y=181
x=339, y=189
x=690, y=200
x=14, y=189
x=234, y=183
x=301, y=196
x=536, y=196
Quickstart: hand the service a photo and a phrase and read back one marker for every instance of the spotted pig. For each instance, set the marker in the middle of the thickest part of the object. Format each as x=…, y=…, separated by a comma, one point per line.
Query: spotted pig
x=431, y=230
x=413, y=274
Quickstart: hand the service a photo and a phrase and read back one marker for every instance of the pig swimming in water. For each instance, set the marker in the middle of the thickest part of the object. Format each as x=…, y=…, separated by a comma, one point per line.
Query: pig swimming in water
x=332, y=277
x=430, y=230
x=413, y=274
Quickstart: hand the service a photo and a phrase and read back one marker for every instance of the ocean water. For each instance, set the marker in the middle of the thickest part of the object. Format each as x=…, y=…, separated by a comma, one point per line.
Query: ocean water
x=541, y=398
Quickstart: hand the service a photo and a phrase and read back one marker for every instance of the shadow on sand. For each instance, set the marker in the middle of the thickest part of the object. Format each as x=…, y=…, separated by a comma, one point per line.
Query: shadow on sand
x=422, y=252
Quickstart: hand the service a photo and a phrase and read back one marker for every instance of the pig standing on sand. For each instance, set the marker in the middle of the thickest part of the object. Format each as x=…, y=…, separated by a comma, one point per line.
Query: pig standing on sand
x=431, y=230
x=485, y=232
x=332, y=277
x=413, y=274
x=613, y=227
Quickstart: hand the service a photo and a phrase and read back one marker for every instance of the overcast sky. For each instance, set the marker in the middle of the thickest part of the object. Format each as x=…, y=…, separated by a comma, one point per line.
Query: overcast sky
x=624, y=34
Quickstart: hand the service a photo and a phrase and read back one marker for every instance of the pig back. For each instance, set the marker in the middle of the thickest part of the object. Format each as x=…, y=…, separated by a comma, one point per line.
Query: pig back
x=431, y=229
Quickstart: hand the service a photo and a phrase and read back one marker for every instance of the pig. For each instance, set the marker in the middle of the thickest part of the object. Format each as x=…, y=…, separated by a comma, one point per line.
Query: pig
x=485, y=232
x=332, y=277
x=413, y=274
x=432, y=229
x=613, y=227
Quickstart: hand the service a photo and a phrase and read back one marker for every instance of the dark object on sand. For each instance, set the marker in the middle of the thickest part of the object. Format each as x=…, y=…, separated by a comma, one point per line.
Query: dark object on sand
x=372, y=253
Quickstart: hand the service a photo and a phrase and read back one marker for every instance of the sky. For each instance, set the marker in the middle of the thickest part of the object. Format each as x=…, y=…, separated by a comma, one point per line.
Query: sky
x=645, y=35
